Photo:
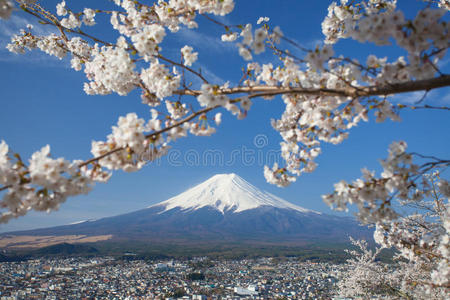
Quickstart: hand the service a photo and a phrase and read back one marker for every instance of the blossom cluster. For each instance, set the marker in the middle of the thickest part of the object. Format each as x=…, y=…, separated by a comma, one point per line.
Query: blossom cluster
x=134, y=142
x=278, y=176
x=41, y=185
x=379, y=22
x=317, y=58
x=212, y=96
x=189, y=56
x=419, y=235
x=310, y=120
x=429, y=241
x=111, y=67
x=253, y=41
x=110, y=70
x=135, y=149
x=50, y=44
x=53, y=45
x=366, y=276
x=176, y=110
x=159, y=81
x=73, y=20
x=202, y=127
x=421, y=241
x=373, y=195
x=146, y=40
x=172, y=13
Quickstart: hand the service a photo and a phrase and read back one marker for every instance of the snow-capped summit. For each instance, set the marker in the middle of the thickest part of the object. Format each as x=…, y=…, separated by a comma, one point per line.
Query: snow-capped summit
x=227, y=193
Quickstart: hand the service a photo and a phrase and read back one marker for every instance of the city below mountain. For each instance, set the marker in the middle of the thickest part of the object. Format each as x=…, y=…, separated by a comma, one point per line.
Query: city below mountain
x=223, y=210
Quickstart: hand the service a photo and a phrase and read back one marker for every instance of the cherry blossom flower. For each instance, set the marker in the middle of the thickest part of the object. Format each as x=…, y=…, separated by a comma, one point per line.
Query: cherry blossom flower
x=189, y=56
x=262, y=19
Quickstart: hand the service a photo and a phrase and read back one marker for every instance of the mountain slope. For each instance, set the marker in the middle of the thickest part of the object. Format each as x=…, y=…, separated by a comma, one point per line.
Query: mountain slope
x=223, y=209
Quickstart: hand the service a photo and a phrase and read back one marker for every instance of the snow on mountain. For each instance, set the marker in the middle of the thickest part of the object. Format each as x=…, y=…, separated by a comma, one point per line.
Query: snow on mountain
x=82, y=221
x=227, y=193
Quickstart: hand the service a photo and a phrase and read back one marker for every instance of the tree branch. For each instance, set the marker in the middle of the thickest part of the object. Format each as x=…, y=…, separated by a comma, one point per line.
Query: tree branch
x=262, y=91
x=153, y=134
x=353, y=92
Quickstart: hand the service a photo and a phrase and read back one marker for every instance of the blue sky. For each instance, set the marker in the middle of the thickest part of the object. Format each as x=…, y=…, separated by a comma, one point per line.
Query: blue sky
x=42, y=102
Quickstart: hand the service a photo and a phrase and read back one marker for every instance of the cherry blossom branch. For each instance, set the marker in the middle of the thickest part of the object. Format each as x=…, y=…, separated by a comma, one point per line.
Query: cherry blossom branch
x=272, y=91
x=353, y=92
x=153, y=134
x=82, y=33
x=56, y=23
x=293, y=43
x=436, y=159
x=425, y=107
x=226, y=26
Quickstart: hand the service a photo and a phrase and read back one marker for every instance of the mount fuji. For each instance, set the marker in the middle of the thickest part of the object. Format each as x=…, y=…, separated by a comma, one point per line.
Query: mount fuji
x=227, y=193
x=223, y=209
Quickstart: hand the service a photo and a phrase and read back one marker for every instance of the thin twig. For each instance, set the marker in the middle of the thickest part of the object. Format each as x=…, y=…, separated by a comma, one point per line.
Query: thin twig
x=153, y=134
x=182, y=66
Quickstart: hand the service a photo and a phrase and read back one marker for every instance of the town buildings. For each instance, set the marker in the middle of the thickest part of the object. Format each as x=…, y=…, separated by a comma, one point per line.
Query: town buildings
x=111, y=278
